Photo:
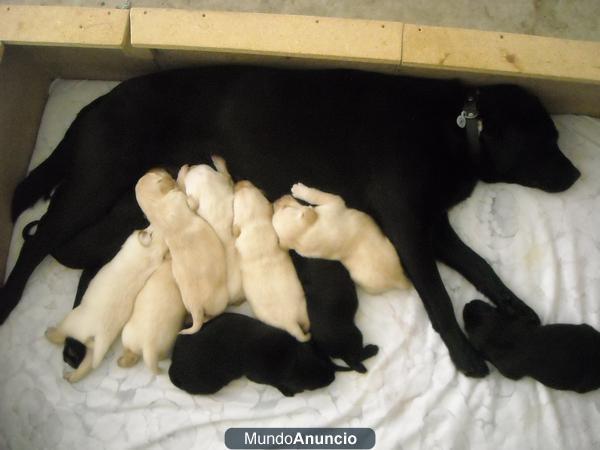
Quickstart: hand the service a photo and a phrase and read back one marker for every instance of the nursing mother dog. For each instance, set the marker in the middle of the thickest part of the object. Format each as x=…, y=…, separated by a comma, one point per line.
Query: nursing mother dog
x=389, y=145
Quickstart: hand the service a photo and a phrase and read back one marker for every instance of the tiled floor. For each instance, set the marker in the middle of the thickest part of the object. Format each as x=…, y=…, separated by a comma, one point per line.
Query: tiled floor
x=573, y=19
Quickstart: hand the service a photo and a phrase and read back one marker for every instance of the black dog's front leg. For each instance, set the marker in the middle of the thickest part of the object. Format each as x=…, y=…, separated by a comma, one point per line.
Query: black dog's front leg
x=451, y=250
x=413, y=242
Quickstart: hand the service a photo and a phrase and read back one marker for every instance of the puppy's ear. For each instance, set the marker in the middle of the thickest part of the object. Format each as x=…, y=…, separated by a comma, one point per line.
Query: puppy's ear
x=309, y=216
x=192, y=203
x=145, y=237
x=236, y=231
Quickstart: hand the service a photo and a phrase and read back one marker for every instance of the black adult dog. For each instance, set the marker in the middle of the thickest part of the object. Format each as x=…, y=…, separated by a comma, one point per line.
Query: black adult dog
x=233, y=345
x=332, y=303
x=561, y=356
x=389, y=145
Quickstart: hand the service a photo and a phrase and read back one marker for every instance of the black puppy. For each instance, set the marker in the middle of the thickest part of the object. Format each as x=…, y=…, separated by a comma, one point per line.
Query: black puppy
x=388, y=144
x=559, y=355
x=332, y=303
x=231, y=346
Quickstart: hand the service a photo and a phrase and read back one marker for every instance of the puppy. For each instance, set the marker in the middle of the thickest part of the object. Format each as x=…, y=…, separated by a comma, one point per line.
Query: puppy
x=213, y=190
x=198, y=257
x=560, y=356
x=332, y=304
x=332, y=231
x=108, y=301
x=158, y=316
x=234, y=345
x=269, y=279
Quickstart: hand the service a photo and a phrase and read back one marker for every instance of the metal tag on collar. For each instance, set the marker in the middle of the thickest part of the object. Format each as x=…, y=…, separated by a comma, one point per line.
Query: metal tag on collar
x=469, y=112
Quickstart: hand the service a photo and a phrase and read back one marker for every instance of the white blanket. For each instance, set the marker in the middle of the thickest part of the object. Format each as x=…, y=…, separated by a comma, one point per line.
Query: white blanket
x=546, y=247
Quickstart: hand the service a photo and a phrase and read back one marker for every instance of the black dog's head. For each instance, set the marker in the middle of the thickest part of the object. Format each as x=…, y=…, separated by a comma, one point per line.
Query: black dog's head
x=519, y=141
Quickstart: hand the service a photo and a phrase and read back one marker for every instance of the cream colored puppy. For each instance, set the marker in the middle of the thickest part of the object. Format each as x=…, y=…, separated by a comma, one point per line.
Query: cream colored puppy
x=198, y=257
x=213, y=190
x=269, y=278
x=108, y=301
x=332, y=231
x=157, y=318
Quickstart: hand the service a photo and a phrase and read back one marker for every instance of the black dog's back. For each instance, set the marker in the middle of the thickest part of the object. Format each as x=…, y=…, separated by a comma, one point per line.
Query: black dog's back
x=233, y=345
x=332, y=303
x=561, y=356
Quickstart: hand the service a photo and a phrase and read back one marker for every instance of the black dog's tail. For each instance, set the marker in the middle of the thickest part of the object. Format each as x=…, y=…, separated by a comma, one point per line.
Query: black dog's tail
x=27, y=229
x=40, y=182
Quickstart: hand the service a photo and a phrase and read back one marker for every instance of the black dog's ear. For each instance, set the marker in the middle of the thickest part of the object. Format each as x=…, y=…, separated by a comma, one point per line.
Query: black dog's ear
x=475, y=312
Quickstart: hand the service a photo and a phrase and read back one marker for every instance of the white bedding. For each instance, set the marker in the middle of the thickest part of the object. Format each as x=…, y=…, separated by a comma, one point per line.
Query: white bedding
x=545, y=247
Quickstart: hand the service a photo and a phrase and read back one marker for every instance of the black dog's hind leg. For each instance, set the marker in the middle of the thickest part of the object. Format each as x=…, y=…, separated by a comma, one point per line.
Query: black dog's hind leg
x=73, y=350
x=451, y=250
x=55, y=229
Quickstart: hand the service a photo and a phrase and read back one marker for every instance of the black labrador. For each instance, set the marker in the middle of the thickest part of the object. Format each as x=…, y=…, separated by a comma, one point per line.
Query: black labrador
x=231, y=346
x=561, y=356
x=390, y=145
x=332, y=302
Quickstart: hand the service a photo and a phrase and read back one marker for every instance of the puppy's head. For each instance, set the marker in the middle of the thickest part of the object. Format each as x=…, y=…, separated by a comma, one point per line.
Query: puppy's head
x=249, y=204
x=153, y=187
x=309, y=370
x=519, y=141
x=291, y=220
x=490, y=329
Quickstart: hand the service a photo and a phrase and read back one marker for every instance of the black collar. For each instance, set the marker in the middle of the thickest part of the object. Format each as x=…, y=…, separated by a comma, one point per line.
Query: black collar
x=469, y=119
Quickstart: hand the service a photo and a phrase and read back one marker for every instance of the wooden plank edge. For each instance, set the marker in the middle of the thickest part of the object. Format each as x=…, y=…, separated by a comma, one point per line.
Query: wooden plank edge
x=490, y=52
x=257, y=23
x=63, y=26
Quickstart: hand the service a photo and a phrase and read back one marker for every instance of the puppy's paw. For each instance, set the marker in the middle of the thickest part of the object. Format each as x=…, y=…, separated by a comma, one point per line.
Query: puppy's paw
x=369, y=351
x=128, y=359
x=299, y=189
x=55, y=336
x=69, y=376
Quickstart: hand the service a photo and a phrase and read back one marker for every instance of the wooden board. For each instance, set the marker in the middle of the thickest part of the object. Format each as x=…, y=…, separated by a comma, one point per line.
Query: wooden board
x=268, y=34
x=63, y=26
x=23, y=93
x=500, y=53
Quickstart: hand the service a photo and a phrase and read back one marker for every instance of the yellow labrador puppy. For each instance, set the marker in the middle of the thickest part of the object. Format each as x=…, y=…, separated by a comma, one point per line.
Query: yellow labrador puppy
x=108, y=301
x=332, y=231
x=269, y=278
x=213, y=190
x=198, y=257
x=157, y=318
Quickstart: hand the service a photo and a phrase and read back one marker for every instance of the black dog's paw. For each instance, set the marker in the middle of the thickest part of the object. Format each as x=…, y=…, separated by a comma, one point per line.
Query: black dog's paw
x=466, y=359
x=518, y=308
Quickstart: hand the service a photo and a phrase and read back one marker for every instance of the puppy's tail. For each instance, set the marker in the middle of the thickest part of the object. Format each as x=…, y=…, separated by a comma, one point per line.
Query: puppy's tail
x=128, y=358
x=45, y=177
x=197, y=320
